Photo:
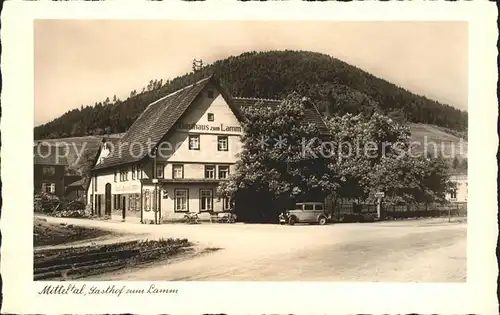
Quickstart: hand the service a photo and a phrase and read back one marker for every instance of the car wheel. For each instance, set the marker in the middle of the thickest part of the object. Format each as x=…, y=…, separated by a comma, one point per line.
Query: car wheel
x=291, y=221
x=322, y=221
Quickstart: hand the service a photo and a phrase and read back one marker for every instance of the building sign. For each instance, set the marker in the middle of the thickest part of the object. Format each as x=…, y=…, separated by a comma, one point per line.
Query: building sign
x=216, y=128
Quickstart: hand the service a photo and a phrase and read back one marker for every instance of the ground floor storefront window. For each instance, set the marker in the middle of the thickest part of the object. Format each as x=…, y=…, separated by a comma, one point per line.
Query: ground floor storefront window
x=181, y=200
x=131, y=202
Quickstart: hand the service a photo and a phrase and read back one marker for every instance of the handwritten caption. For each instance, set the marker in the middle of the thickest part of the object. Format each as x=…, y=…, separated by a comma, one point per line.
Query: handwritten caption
x=114, y=290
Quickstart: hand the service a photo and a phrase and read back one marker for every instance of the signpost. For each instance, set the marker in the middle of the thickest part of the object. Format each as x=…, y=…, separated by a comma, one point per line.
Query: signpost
x=379, y=196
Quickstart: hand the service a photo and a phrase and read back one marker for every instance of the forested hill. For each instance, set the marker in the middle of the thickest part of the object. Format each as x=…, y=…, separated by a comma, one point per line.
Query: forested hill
x=334, y=85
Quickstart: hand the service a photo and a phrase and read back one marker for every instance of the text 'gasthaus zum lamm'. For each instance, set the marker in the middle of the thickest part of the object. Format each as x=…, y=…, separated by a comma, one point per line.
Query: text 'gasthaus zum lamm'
x=112, y=289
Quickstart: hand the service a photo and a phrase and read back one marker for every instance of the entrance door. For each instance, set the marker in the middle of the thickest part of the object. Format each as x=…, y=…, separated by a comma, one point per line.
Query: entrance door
x=107, y=199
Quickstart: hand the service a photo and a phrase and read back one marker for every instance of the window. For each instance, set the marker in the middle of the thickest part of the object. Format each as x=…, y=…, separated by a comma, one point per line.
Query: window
x=318, y=207
x=133, y=172
x=308, y=207
x=226, y=204
x=49, y=170
x=116, y=176
x=194, y=142
x=133, y=202
x=210, y=117
x=53, y=188
x=206, y=200
x=44, y=187
x=159, y=170
x=223, y=171
x=222, y=143
x=181, y=200
x=95, y=183
x=138, y=202
x=210, y=94
x=209, y=171
x=123, y=174
x=178, y=171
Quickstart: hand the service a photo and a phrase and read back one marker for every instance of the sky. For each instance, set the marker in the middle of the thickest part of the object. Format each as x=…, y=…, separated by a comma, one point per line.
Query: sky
x=80, y=62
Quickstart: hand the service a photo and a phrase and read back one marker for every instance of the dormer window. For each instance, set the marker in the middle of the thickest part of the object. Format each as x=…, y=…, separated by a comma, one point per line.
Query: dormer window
x=210, y=117
x=210, y=94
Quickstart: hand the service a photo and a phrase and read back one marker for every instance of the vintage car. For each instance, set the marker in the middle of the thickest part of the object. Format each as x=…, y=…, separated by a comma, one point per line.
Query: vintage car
x=305, y=212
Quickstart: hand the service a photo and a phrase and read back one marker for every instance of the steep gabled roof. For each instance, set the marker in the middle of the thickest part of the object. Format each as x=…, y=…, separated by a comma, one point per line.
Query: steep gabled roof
x=311, y=114
x=155, y=122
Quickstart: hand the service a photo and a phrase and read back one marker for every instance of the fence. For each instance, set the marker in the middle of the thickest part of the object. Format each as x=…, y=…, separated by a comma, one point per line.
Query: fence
x=368, y=212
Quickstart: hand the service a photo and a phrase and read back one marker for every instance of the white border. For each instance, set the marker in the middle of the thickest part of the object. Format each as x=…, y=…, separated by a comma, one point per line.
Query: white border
x=477, y=296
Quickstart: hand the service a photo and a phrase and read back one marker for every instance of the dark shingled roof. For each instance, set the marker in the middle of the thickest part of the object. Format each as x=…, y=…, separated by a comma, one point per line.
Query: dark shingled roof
x=311, y=113
x=160, y=116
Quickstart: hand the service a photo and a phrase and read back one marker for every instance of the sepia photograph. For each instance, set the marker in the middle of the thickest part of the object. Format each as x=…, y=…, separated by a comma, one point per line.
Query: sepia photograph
x=210, y=150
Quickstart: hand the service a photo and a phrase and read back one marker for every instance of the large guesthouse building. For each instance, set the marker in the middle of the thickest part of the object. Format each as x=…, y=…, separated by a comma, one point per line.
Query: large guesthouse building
x=175, y=154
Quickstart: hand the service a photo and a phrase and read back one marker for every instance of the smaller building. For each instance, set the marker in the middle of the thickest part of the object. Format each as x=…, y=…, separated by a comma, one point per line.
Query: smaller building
x=460, y=192
x=49, y=169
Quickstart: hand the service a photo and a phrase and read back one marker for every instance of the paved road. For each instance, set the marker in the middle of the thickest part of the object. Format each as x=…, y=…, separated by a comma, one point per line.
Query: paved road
x=407, y=251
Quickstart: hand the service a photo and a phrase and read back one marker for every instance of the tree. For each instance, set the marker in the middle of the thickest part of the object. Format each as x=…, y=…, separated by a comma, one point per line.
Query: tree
x=373, y=156
x=282, y=162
